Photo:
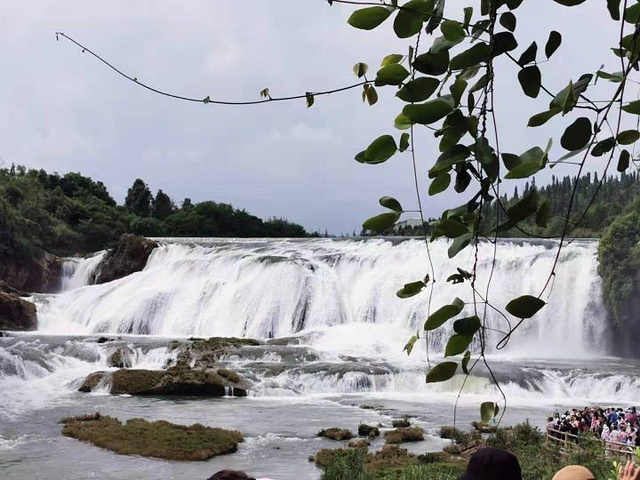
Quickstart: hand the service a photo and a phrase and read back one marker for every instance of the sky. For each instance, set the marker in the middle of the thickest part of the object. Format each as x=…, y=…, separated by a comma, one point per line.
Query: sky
x=64, y=111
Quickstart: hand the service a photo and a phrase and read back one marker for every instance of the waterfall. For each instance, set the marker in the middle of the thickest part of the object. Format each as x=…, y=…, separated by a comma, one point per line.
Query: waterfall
x=76, y=272
x=338, y=294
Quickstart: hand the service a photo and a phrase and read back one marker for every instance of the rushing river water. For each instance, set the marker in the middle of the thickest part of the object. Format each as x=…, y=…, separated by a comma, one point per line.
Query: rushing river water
x=336, y=299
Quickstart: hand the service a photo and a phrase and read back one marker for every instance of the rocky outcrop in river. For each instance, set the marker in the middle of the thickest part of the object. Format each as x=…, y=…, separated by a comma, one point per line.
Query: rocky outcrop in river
x=174, y=381
x=40, y=273
x=17, y=313
x=130, y=255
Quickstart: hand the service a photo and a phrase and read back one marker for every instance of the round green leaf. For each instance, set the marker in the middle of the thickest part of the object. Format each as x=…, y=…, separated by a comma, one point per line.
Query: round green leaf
x=452, y=31
x=508, y=21
x=418, y=90
x=402, y=122
x=391, y=203
x=431, y=63
x=577, y=135
x=404, y=142
x=603, y=147
x=543, y=117
x=451, y=228
x=380, y=150
x=440, y=316
x=442, y=372
x=633, y=107
x=504, y=42
x=530, y=80
x=411, y=16
x=459, y=244
x=457, y=344
x=360, y=69
x=467, y=326
x=391, y=59
x=381, y=222
x=623, y=161
x=392, y=74
x=439, y=184
x=368, y=18
x=529, y=55
x=554, y=41
x=525, y=306
x=410, y=289
x=628, y=137
x=428, y=112
x=473, y=56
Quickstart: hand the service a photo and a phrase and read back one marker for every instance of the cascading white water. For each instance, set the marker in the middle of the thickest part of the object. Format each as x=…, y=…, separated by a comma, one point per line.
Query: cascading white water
x=76, y=271
x=343, y=292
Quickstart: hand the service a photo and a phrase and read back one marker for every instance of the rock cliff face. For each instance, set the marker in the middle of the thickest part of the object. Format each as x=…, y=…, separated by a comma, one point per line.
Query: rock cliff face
x=33, y=274
x=16, y=313
x=130, y=255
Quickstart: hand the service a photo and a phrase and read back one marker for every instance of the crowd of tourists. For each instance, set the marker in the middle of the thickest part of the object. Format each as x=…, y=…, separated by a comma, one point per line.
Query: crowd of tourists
x=618, y=427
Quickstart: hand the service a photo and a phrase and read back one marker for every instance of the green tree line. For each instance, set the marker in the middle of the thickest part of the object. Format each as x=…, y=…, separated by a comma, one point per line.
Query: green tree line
x=72, y=213
x=597, y=204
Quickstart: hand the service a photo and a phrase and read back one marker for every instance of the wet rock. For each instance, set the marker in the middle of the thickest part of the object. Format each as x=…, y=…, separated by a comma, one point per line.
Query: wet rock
x=41, y=272
x=91, y=382
x=368, y=431
x=17, y=314
x=6, y=288
x=363, y=444
x=121, y=358
x=401, y=423
x=130, y=255
x=174, y=381
x=205, y=353
x=336, y=433
x=402, y=435
x=104, y=340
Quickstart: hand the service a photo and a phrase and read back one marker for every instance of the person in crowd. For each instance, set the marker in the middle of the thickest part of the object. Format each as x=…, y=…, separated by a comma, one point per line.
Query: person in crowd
x=493, y=464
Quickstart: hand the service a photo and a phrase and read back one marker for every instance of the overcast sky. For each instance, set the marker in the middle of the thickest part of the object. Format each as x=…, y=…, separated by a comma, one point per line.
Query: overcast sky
x=63, y=111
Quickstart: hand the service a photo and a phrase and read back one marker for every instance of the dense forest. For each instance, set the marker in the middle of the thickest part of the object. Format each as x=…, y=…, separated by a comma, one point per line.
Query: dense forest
x=595, y=206
x=71, y=213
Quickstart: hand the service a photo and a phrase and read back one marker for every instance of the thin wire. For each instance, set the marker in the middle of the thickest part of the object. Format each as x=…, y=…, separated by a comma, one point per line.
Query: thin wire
x=208, y=100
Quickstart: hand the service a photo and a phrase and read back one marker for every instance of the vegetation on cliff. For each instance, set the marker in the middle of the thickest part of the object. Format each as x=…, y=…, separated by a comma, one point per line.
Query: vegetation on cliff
x=619, y=267
x=159, y=439
x=71, y=213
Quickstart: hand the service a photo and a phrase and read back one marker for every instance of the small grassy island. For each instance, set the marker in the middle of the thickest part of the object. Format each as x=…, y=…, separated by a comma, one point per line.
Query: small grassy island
x=159, y=439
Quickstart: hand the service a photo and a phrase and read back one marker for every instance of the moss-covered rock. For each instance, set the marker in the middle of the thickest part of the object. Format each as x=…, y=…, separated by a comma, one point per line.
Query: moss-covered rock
x=368, y=431
x=401, y=423
x=174, y=381
x=405, y=434
x=152, y=439
x=17, y=313
x=336, y=434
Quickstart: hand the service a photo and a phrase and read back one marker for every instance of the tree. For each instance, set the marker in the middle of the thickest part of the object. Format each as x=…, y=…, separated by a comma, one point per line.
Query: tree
x=187, y=205
x=138, y=200
x=162, y=206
